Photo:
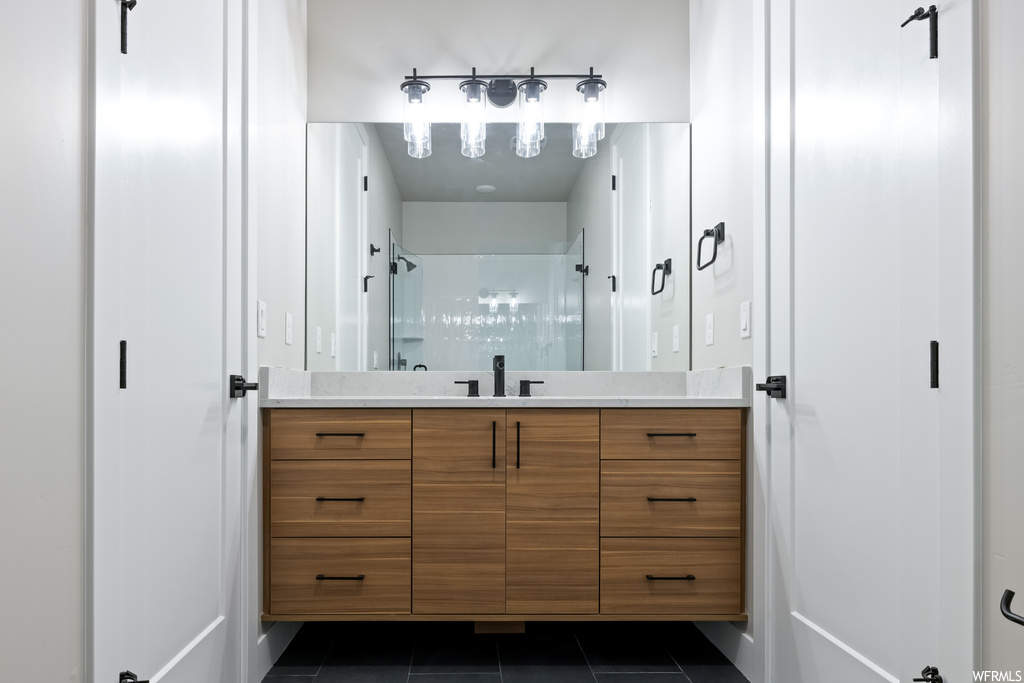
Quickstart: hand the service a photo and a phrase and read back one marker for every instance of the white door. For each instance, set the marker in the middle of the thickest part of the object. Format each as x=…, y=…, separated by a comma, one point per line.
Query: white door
x=631, y=303
x=870, y=258
x=167, y=458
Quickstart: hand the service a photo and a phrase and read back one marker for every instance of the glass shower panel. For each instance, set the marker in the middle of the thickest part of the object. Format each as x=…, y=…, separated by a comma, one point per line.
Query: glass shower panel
x=406, y=309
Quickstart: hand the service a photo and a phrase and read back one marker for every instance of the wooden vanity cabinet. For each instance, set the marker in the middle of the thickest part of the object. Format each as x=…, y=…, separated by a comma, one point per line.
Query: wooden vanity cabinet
x=458, y=494
x=552, y=506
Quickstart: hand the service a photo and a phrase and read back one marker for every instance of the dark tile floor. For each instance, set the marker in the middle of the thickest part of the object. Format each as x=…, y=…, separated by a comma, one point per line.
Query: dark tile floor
x=554, y=652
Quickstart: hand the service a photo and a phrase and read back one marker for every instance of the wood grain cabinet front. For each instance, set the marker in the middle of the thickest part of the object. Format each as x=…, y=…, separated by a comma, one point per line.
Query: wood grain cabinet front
x=334, y=433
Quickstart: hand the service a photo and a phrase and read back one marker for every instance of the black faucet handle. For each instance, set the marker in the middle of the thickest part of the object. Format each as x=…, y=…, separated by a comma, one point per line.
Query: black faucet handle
x=474, y=386
x=524, y=386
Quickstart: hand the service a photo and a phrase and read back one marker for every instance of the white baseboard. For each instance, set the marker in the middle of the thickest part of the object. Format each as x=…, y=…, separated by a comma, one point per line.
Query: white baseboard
x=269, y=647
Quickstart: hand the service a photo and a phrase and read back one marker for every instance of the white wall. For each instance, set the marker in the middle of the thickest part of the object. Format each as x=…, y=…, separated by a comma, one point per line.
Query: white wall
x=1002, y=100
x=43, y=61
x=384, y=214
x=279, y=146
x=359, y=53
x=721, y=59
x=590, y=208
x=484, y=227
x=670, y=239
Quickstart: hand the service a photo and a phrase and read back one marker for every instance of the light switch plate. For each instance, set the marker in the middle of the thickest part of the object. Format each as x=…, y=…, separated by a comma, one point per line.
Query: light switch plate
x=709, y=330
x=654, y=344
x=745, y=320
x=287, y=328
x=334, y=345
x=261, y=318
x=675, y=339
x=319, y=339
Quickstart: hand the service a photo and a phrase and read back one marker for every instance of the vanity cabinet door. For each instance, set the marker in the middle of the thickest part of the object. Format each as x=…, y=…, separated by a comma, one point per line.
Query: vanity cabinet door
x=458, y=514
x=552, y=499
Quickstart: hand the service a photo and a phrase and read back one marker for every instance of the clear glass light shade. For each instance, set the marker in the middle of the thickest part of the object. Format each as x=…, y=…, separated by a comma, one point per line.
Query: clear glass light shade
x=474, y=130
x=590, y=129
x=530, y=130
x=417, y=126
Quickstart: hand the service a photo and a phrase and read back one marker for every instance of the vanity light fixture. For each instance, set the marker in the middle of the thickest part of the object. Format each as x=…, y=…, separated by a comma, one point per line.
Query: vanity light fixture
x=417, y=127
x=501, y=91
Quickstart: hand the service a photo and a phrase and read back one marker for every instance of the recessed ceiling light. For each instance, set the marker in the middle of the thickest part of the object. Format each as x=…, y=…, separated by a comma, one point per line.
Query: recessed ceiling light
x=485, y=189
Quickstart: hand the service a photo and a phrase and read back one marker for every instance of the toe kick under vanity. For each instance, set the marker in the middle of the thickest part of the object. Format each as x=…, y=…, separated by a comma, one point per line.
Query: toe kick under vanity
x=604, y=496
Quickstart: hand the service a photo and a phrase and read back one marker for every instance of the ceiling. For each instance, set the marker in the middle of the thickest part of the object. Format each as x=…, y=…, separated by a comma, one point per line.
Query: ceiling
x=447, y=176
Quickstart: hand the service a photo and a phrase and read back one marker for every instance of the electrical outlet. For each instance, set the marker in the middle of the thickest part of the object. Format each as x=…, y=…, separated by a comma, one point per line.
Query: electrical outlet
x=654, y=344
x=709, y=330
x=334, y=345
x=745, y=320
x=319, y=339
x=287, y=328
x=261, y=318
x=675, y=339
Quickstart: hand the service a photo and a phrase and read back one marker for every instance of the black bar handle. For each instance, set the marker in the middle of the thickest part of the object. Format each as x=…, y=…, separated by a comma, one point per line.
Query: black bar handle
x=654, y=434
x=666, y=270
x=691, y=499
x=1004, y=607
x=321, y=577
x=934, y=351
x=494, y=444
x=322, y=499
x=688, y=577
x=356, y=434
x=612, y=278
x=517, y=445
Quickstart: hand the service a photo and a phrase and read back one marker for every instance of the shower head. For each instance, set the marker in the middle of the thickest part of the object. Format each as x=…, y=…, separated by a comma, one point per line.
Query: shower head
x=409, y=265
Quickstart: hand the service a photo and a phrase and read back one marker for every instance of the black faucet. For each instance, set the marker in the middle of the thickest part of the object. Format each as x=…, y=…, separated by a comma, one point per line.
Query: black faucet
x=499, y=375
x=524, y=386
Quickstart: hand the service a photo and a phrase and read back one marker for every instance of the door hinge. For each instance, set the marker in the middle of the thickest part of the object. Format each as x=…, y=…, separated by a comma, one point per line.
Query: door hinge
x=366, y=183
x=613, y=183
x=124, y=364
x=129, y=677
x=935, y=364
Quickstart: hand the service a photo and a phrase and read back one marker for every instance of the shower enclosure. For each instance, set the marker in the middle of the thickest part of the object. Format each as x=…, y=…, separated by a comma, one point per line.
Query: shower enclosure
x=455, y=312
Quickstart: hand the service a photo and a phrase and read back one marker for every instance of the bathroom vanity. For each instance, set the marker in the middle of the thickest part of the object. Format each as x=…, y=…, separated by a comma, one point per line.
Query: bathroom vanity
x=553, y=507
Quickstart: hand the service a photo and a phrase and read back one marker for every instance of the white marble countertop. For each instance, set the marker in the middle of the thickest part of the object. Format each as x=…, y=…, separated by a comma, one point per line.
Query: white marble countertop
x=717, y=388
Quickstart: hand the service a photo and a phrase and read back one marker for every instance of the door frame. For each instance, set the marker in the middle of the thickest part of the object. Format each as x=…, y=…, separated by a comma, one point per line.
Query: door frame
x=959, y=330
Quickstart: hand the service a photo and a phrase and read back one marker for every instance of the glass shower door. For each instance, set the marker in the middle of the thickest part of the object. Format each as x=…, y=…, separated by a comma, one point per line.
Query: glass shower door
x=406, y=309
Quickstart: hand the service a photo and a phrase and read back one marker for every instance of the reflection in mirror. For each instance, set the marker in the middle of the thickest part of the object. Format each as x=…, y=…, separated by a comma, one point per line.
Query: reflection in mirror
x=486, y=254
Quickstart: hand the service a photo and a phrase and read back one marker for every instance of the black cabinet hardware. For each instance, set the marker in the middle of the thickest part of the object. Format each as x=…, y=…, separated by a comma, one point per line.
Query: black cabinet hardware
x=934, y=348
x=474, y=386
x=932, y=15
x=675, y=500
x=776, y=386
x=930, y=674
x=651, y=435
x=524, y=386
x=237, y=386
x=517, y=445
x=666, y=270
x=321, y=577
x=688, y=577
x=1004, y=607
x=366, y=283
x=612, y=278
x=717, y=235
x=126, y=6
x=374, y=250
x=355, y=434
x=419, y=365
x=580, y=268
x=124, y=364
x=494, y=444
x=322, y=499
x=366, y=183
x=613, y=183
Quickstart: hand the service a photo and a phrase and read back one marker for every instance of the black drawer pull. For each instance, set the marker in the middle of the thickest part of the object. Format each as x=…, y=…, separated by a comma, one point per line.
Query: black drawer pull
x=688, y=577
x=517, y=445
x=322, y=499
x=494, y=444
x=675, y=500
x=653, y=434
x=357, y=434
x=321, y=577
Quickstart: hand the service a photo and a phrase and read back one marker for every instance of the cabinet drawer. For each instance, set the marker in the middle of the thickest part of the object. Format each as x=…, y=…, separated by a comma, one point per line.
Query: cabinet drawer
x=383, y=564
x=382, y=485
x=333, y=433
x=627, y=487
x=714, y=564
x=672, y=433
